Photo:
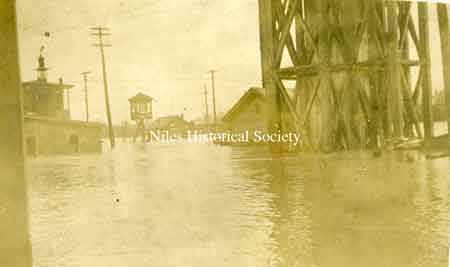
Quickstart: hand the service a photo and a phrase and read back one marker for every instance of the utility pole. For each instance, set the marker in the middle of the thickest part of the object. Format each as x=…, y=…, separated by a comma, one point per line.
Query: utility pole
x=206, y=105
x=214, y=94
x=101, y=32
x=86, y=98
x=15, y=243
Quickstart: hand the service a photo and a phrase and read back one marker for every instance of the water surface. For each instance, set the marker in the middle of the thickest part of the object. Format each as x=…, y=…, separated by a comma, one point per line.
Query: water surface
x=205, y=205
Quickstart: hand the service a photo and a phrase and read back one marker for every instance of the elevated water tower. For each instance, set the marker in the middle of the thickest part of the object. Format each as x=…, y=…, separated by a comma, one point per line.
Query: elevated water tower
x=140, y=111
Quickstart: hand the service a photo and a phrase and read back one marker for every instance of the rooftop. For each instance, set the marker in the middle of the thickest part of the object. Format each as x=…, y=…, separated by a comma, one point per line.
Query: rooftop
x=140, y=97
x=43, y=83
x=252, y=92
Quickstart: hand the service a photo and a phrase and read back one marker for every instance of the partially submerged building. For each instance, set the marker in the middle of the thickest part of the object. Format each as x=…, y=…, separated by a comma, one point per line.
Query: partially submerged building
x=48, y=126
x=249, y=114
x=174, y=125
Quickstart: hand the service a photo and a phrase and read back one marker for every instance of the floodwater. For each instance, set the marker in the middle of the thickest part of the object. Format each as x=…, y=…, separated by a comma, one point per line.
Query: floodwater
x=205, y=205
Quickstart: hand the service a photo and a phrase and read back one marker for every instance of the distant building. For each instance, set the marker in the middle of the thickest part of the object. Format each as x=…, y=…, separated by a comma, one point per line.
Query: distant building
x=43, y=98
x=141, y=111
x=48, y=128
x=175, y=125
x=141, y=107
x=248, y=114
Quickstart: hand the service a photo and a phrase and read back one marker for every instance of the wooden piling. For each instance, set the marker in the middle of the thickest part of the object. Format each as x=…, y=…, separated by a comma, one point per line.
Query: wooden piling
x=393, y=70
x=268, y=50
x=427, y=94
x=375, y=120
x=15, y=249
x=445, y=49
x=302, y=91
x=384, y=87
x=329, y=113
x=409, y=118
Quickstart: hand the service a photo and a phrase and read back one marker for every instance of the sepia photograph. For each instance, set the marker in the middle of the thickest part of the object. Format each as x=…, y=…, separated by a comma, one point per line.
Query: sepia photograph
x=224, y=133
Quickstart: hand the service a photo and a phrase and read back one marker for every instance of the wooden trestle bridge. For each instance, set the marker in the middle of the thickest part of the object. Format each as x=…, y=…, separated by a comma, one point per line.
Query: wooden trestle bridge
x=350, y=73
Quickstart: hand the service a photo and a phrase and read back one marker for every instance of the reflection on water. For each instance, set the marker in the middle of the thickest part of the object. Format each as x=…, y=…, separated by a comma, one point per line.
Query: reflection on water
x=192, y=205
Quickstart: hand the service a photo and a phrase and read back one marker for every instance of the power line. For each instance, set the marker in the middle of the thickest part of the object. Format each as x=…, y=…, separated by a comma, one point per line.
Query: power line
x=222, y=80
x=100, y=32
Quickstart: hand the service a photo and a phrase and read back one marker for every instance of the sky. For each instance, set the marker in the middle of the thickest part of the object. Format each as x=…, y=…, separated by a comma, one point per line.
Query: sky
x=161, y=48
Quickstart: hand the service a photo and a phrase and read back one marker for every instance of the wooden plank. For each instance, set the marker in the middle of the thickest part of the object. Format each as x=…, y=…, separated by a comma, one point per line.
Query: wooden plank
x=416, y=92
x=310, y=104
x=15, y=248
x=382, y=28
x=285, y=31
x=413, y=34
x=340, y=114
x=364, y=101
x=303, y=91
x=289, y=44
x=404, y=23
x=362, y=66
x=404, y=44
x=287, y=100
x=410, y=107
x=309, y=36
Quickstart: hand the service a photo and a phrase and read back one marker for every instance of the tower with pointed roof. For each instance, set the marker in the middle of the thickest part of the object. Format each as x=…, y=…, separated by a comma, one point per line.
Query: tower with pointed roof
x=46, y=99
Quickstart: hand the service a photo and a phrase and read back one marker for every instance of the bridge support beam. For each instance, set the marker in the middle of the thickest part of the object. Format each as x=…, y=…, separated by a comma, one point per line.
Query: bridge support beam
x=393, y=70
x=427, y=94
x=268, y=49
x=352, y=68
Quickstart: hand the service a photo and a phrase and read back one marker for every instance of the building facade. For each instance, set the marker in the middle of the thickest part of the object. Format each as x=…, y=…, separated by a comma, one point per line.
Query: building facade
x=47, y=136
x=48, y=127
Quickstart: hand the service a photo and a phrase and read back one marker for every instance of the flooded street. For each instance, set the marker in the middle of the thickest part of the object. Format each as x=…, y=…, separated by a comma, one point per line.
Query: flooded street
x=205, y=205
